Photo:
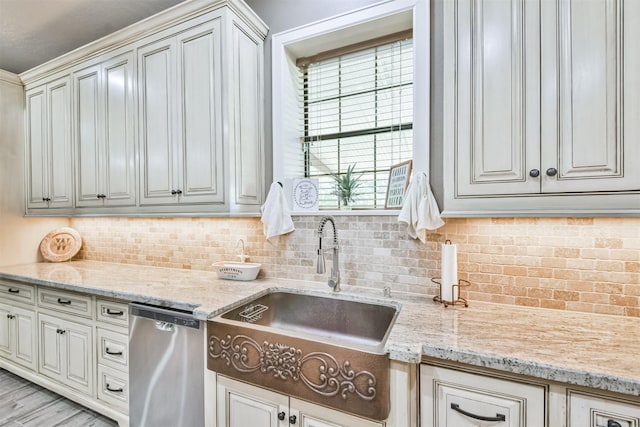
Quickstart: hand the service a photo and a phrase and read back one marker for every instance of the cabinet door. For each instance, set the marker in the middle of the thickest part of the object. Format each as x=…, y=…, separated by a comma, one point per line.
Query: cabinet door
x=119, y=142
x=78, y=357
x=590, y=119
x=88, y=135
x=157, y=118
x=497, y=95
x=242, y=405
x=66, y=352
x=6, y=332
x=200, y=120
x=51, y=346
x=59, y=143
x=246, y=138
x=311, y=415
x=584, y=410
x=37, y=165
x=25, y=342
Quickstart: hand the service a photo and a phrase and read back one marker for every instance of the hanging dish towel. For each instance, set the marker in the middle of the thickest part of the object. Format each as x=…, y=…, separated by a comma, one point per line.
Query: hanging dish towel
x=276, y=218
x=419, y=209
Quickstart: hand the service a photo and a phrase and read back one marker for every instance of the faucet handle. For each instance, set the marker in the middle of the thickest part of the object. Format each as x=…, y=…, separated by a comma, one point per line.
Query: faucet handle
x=320, y=268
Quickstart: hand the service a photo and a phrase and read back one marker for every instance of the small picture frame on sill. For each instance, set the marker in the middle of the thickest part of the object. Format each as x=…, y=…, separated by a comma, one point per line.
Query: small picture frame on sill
x=398, y=181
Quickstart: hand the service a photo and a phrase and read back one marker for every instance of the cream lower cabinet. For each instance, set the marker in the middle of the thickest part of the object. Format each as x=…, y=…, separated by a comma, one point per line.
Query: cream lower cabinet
x=18, y=333
x=592, y=410
x=451, y=398
x=241, y=405
x=66, y=352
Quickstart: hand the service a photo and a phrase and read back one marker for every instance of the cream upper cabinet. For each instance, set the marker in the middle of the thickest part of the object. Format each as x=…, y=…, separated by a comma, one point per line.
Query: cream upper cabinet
x=537, y=106
x=49, y=158
x=246, y=140
x=180, y=90
x=104, y=133
x=163, y=117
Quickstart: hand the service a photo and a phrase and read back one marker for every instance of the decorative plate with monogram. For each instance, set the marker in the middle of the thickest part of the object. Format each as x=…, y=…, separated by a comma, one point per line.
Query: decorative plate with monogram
x=61, y=244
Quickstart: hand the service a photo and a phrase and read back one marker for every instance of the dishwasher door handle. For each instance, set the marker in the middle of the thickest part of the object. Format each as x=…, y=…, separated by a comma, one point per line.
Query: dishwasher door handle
x=164, y=326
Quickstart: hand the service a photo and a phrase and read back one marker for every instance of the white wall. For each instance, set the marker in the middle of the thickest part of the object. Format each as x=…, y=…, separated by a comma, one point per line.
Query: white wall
x=19, y=236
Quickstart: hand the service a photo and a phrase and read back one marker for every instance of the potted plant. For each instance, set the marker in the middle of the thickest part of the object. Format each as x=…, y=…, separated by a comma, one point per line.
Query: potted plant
x=346, y=186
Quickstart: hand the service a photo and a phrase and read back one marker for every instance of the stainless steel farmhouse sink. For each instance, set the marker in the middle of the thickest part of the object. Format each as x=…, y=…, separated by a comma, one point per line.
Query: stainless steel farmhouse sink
x=318, y=348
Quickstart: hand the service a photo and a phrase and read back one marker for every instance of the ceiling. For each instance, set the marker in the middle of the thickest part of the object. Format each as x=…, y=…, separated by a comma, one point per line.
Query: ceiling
x=35, y=31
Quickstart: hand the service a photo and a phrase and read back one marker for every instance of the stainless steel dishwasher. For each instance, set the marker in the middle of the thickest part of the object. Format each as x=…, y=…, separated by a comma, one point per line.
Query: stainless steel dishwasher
x=166, y=368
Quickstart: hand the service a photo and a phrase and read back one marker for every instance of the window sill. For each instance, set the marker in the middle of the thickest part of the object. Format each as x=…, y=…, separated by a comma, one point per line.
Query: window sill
x=355, y=212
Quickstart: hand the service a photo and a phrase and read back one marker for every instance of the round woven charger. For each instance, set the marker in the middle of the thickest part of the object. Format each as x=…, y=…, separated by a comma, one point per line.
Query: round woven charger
x=61, y=244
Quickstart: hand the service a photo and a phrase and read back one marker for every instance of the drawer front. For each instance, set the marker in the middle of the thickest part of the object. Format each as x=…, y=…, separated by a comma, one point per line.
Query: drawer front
x=111, y=312
x=454, y=398
x=68, y=302
x=16, y=291
x=113, y=349
x=586, y=410
x=113, y=388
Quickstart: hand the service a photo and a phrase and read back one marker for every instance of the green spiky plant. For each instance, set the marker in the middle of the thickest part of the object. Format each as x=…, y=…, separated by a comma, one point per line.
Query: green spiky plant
x=347, y=185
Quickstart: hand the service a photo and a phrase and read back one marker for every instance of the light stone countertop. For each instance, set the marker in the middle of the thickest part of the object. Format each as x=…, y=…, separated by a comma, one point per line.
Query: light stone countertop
x=591, y=350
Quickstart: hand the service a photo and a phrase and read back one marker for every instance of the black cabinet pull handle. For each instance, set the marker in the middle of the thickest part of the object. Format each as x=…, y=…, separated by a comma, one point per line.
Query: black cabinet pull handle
x=174, y=192
x=293, y=419
x=281, y=416
x=113, y=353
x=61, y=331
x=115, y=390
x=10, y=316
x=114, y=312
x=498, y=417
x=64, y=301
x=178, y=191
x=534, y=173
x=613, y=423
x=552, y=172
x=14, y=291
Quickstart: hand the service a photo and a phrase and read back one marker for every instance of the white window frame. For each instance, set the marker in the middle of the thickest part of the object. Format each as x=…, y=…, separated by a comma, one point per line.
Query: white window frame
x=331, y=33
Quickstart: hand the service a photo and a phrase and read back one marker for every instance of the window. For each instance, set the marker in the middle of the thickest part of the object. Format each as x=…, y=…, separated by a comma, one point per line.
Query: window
x=353, y=115
x=357, y=111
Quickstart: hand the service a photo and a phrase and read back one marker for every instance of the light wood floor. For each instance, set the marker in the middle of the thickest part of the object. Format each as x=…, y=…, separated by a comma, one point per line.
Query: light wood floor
x=24, y=404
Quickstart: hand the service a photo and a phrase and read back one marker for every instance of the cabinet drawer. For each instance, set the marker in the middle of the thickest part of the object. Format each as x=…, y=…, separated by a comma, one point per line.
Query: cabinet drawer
x=115, y=313
x=586, y=410
x=455, y=398
x=113, y=388
x=113, y=349
x=16, y=291
x=68, y=302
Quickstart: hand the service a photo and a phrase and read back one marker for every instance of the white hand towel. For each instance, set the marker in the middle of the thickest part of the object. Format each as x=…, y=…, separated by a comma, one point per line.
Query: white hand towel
x=419, y=208
x=276, y=217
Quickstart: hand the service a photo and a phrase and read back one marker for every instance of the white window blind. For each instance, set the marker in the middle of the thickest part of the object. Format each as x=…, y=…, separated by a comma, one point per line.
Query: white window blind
x=357, y=109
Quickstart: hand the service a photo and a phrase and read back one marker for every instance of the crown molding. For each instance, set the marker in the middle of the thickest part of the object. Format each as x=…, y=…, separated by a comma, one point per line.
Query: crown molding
x=141, y=29
x=8, y=77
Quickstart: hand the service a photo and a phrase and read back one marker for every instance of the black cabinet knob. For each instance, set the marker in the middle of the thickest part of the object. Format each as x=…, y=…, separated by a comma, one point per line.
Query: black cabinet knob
x=534, y=173
x=281, y=416
x=174, y=192
x=552, y=172
x=293, y=419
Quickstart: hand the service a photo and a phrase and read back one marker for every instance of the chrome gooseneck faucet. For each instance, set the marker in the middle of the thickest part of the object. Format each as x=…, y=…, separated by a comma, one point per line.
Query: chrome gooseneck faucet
x=334, y=279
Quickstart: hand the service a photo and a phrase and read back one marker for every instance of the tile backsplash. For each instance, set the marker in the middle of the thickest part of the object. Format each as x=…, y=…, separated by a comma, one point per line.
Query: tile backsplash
x=579, y=264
